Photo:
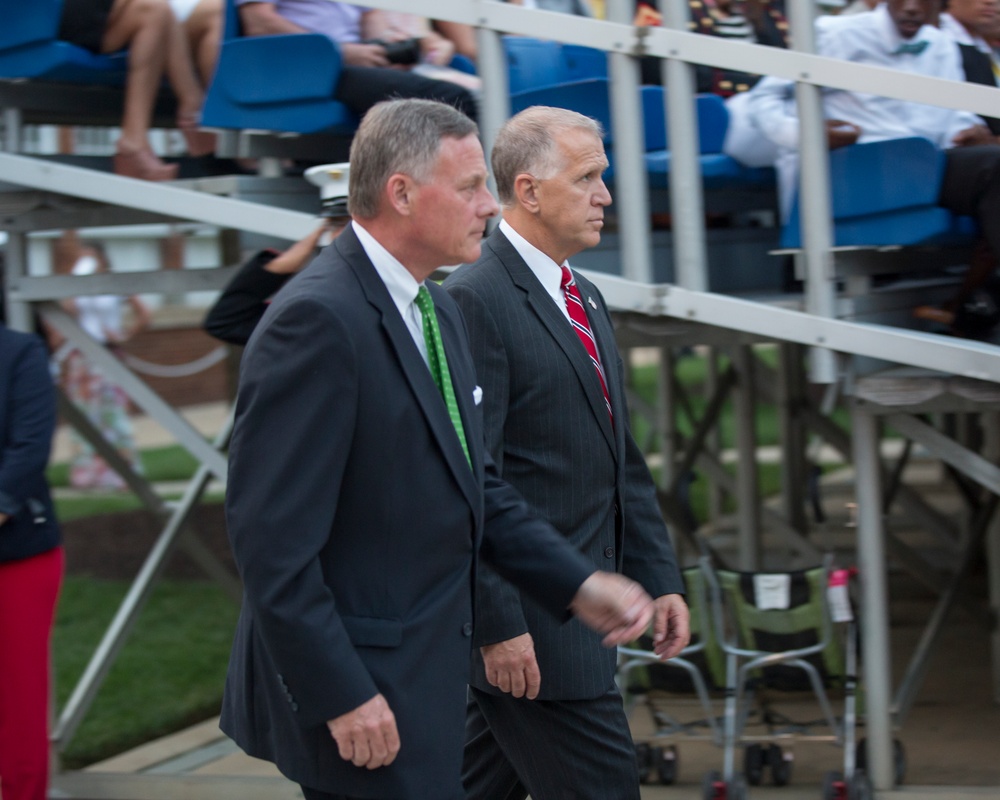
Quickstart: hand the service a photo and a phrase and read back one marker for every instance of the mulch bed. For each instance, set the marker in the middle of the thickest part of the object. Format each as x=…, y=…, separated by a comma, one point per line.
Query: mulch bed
x=114, y=546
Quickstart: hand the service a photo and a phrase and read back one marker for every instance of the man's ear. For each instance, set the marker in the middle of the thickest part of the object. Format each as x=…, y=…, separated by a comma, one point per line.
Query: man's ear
x=399, y=190
x=526, y=192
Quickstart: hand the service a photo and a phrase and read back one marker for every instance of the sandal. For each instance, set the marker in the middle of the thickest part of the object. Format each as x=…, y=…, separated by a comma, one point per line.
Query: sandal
x=144, y=165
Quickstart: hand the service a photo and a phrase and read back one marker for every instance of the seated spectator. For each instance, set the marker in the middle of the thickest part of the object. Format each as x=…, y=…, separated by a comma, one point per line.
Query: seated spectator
x=752, y=21
x=435, y=51
x=965, y=21
x=366, y=76
x=898, y=34
x=202, y=21
x=156, y=46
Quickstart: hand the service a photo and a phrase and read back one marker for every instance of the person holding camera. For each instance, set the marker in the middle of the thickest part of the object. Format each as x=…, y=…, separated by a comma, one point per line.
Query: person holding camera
x=376, y=65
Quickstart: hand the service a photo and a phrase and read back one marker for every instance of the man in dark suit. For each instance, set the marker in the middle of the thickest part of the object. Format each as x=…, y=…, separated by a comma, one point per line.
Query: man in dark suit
x=360, y=493
x=545, y=716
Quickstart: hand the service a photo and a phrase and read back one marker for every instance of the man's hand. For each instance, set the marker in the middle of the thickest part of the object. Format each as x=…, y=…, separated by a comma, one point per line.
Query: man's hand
x=671, y=625
x=613, y=604
x=840, y=133
x=977, y=134
x=367, y=736
x=4, y=517
x=512, y=668
x=363, y=55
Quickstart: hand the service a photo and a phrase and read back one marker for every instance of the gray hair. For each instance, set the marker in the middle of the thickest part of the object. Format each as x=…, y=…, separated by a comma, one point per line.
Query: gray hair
x=527, y=143
x=399, y=136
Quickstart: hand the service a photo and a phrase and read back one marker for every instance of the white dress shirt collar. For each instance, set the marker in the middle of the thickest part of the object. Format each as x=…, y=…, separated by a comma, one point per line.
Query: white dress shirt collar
x=402, y=286
x=957, y=31
x=548, y=272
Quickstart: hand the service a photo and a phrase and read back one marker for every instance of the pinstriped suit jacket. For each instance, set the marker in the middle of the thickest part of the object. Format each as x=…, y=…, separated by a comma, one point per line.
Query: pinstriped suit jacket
x=547, y=428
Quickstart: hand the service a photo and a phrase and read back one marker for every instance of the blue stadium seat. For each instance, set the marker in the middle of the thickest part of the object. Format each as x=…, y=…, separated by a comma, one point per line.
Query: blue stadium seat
x=29, y=49
x=538, y=63
x=885, y=193
x=276, y=83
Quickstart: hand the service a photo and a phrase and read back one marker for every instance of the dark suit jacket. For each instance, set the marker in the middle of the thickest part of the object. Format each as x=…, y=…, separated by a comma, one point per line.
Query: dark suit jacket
x=244, y=301
x=978, y=68
x=355, y=522
x=27, y=421
x=548, y=430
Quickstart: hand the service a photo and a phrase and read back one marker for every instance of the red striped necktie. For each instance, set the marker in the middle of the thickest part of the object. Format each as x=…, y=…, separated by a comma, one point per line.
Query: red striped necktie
x=578, y=318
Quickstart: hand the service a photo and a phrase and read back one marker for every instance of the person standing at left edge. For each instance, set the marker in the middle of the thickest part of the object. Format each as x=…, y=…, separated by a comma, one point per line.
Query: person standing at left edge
x=360, y=493
x=31, y=563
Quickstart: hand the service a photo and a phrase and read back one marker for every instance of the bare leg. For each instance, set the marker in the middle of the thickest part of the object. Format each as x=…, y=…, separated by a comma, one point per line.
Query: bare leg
x=204, y=32
x=142, y=26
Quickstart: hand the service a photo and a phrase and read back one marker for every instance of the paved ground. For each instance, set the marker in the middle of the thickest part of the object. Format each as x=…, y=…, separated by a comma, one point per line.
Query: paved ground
x=951, y=736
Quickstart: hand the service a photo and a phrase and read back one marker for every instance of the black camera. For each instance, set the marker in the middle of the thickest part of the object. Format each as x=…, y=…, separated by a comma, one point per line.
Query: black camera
x=405, y=51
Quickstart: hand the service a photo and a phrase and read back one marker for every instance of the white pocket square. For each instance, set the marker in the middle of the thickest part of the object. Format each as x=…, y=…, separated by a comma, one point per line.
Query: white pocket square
x=477, y=395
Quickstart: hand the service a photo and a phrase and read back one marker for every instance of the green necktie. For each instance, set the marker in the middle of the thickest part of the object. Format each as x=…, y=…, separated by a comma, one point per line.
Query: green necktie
x=438, y=363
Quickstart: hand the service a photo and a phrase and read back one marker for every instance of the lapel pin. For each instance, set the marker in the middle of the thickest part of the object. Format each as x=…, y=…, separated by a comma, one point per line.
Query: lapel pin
x=593, y=305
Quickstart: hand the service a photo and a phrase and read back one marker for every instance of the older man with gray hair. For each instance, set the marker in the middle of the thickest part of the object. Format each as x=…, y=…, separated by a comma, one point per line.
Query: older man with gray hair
x=544, y=714
x=360, y=494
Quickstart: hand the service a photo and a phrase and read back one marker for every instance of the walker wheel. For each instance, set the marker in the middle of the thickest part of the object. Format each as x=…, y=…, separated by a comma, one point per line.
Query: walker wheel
x=753, y=764
x=780, y=762
x=834, y=787
x=859, y=787
x=666, y=764
x=643, y=761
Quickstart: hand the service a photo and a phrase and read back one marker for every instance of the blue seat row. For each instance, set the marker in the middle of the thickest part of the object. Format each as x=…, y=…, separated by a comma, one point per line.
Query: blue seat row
x=29, y=49
x=883, y=193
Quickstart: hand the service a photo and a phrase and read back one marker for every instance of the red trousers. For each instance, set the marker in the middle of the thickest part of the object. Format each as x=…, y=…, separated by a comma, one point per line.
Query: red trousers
x=29, y=589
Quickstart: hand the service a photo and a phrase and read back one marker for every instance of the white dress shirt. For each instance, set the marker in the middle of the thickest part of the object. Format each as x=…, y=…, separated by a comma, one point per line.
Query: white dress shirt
x=402, y=286
x=548, y=272
x=870, y=38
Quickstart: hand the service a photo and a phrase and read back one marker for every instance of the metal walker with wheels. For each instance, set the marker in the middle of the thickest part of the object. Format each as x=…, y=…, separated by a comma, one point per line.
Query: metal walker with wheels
x=698, y=668
x=784, y=631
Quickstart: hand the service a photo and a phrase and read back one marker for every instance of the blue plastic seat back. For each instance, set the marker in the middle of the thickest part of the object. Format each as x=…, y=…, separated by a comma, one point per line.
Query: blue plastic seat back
x=713, y=119
x=885, y=193
x=29, y=49
x=532, y=63
x=281, y=83
x=29, y=22
x=588, y=97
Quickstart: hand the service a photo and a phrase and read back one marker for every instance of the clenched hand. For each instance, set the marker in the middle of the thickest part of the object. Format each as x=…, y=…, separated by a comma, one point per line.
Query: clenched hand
x=367, y=736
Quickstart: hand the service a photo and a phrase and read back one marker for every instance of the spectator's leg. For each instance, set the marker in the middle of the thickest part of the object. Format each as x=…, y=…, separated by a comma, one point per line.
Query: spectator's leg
x=204, y=32
x=360, y=88
x=142, y=26
x=188, y=89
x=972, y=186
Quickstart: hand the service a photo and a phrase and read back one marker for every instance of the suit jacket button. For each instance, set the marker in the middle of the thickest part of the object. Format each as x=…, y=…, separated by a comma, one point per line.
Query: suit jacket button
x=609, y=552
x=467, y=629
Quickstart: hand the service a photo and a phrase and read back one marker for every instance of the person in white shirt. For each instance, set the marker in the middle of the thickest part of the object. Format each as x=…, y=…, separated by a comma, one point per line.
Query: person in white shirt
x=965, y=21
x=898, y=34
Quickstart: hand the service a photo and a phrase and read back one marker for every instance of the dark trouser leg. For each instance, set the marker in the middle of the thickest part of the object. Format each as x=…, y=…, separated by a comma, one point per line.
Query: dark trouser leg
x=486, y=771
x=971, y=186
x=561, y=750
x=316, y=794
x=360, y=88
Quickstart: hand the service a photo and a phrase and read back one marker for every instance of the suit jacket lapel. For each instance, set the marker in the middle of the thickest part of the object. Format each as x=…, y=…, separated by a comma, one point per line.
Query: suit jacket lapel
x=417, y=374
x=560, y=330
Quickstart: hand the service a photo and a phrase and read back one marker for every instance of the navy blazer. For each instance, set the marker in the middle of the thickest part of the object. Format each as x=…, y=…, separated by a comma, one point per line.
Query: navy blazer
x=547, y=428
x=27, y=422
x=355, y=522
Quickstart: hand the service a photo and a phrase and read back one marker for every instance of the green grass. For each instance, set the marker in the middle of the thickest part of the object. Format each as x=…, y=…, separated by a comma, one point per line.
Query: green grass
x=169, y=674
x=172, y=463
